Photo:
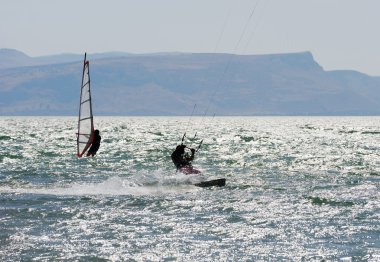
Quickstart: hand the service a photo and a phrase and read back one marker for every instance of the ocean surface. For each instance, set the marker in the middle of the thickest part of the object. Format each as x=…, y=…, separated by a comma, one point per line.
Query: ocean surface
x=298, y=189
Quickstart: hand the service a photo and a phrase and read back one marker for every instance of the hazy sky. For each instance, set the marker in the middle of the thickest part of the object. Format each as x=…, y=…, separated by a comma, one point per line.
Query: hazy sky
x=341, y=34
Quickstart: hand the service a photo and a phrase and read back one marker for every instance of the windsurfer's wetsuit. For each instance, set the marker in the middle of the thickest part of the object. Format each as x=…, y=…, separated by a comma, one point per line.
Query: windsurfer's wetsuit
x=95, y=144
x=179, y=158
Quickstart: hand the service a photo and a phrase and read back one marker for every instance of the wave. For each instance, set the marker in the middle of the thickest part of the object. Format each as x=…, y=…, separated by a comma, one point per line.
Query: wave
x=10, y=156
x=115, y=186
x=371, y=132
x=247, y=138
x=309, y=127
x=325, y=201
x=348, y=131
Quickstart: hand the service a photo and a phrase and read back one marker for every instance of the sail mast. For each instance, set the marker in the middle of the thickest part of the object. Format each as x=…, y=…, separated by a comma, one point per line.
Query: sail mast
x=85, y=119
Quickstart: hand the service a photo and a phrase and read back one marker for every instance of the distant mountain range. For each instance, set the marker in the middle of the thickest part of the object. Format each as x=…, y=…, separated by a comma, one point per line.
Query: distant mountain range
x=172, y=83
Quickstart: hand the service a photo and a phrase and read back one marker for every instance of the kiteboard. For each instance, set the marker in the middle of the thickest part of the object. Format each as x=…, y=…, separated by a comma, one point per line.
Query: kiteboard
x=216, y=182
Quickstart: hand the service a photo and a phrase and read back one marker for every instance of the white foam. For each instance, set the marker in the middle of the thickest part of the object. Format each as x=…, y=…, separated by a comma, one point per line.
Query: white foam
x=112, y=186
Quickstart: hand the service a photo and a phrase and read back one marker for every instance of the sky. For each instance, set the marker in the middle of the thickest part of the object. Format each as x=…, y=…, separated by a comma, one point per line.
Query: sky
x=341, y=34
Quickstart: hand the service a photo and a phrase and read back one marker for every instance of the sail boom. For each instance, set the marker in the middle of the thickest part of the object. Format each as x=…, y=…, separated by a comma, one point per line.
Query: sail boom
x=86, y=118
x=88, y=100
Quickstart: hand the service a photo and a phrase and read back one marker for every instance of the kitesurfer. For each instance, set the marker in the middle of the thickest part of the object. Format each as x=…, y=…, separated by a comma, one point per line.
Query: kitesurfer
x=182, y=160
x=95, y=144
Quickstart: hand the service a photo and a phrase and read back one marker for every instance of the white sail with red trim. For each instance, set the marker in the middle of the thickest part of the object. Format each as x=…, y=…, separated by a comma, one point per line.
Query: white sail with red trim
x=85, y=120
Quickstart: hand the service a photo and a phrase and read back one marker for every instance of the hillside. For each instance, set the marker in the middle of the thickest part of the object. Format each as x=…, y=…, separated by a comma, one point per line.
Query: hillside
x=170, y=84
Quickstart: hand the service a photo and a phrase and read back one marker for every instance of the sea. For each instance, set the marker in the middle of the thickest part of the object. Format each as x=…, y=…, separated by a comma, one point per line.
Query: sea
x=297, y=189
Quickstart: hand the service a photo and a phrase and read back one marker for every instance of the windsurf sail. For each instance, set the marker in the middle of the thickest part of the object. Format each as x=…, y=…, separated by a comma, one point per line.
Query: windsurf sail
x=85, y=120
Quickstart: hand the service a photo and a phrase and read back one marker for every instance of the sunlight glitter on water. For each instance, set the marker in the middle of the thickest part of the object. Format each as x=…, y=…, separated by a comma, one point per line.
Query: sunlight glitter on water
x=297, y=188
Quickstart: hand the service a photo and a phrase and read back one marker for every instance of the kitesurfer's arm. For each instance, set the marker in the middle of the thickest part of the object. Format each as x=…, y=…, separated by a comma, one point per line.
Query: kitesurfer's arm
x=191, y=158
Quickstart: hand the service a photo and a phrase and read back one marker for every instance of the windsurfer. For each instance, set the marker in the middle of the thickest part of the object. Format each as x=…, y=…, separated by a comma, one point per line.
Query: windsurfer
x=95, y=144
x=182, y=160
